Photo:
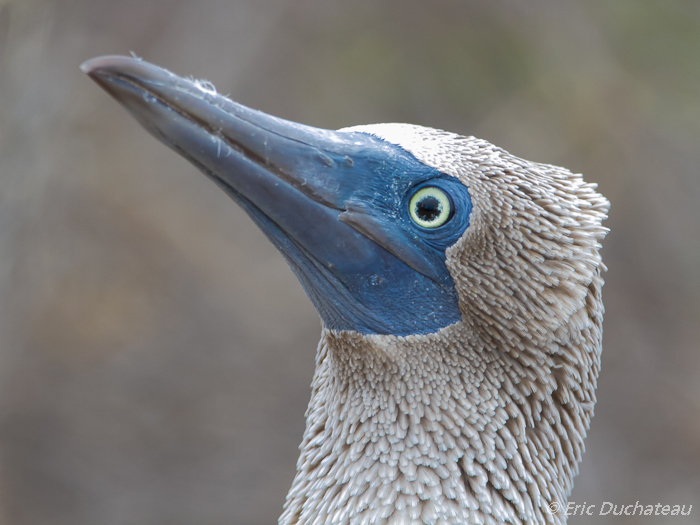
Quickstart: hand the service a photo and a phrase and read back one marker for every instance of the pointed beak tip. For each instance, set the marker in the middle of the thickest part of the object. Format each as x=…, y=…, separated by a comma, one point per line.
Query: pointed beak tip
x=94, y=65
x=108, y=65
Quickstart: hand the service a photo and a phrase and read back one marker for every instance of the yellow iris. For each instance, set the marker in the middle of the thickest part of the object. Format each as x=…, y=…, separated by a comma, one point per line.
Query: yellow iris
x=430, y=207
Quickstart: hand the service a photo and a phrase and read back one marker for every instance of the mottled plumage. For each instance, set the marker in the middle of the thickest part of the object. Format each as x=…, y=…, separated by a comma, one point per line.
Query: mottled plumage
x=483, y=421
x=456, y=373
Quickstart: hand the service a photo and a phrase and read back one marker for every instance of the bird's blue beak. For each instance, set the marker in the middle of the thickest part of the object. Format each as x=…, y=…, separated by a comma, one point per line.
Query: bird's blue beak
x=331, y=201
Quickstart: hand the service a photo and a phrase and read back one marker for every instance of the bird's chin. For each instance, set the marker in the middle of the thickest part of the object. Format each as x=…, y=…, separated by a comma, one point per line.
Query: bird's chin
x=338, y=308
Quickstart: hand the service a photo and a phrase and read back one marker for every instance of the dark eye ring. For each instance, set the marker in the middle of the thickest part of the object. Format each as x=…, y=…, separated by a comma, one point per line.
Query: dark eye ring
x=430, y=207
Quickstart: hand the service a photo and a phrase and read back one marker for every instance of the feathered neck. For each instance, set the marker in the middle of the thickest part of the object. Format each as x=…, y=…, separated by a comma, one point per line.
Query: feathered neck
x=445, y=427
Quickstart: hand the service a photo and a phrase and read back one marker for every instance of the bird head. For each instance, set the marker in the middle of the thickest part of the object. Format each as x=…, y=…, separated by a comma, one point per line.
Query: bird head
x=458, y=285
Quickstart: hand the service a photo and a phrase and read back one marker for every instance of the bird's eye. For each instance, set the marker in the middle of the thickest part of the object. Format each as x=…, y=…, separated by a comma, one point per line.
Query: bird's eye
x=430, y=207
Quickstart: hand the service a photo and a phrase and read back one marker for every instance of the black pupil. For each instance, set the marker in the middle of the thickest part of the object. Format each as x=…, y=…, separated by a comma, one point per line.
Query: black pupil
x=428, y=209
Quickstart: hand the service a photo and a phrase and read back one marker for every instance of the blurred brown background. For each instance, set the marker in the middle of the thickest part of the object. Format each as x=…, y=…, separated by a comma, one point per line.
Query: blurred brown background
x=156, y=352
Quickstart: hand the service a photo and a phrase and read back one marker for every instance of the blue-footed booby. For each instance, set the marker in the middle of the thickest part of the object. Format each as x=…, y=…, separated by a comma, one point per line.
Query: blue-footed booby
x=459, y=289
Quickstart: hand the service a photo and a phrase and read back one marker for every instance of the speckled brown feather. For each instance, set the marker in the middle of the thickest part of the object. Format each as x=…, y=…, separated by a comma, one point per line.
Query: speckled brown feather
x=484, y=420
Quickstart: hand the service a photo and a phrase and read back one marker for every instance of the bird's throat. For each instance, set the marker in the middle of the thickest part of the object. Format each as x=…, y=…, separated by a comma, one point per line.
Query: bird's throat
x=423, y=429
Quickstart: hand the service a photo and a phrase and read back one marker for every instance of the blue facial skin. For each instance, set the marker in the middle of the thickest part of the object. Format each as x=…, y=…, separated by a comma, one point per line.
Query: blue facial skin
x=385, y=295
x=336, y=204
